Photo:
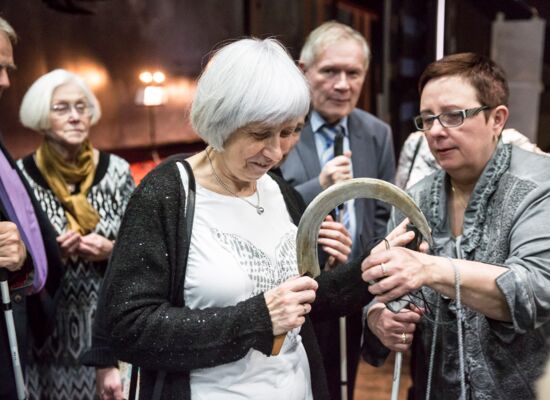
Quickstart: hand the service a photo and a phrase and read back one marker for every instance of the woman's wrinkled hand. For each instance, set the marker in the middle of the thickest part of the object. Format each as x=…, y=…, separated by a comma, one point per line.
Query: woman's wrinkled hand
x=394, y=330
x=68, y=243
x=94, y=247
x=397, y=271
x=12, y=249
x=399, y=237
x=335, y=241
x=289, y=302
x=108, y=383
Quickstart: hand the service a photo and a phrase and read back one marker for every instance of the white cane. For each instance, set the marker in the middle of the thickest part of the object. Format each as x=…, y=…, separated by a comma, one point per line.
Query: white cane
x=343, y=340
x=343, y=351
x=338, y=151
x=396, y=375
x=12, y=338
x=396, y=306
x=343, y=360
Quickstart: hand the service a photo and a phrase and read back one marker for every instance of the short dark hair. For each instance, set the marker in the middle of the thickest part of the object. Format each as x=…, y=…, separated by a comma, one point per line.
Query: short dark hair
x=487, y=77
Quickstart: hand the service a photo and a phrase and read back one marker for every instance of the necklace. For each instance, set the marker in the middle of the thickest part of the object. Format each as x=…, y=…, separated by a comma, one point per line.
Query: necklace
x=259, y=209
x=460, y=199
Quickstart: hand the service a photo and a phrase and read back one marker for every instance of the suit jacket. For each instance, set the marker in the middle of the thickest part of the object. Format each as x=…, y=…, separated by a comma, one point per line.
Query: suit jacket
x=38, y=310
x=371, y=145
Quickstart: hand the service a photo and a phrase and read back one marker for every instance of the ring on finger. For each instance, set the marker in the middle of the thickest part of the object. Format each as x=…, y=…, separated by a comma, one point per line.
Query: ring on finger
x=384, y=269
x=404, y=338
x=305, y=309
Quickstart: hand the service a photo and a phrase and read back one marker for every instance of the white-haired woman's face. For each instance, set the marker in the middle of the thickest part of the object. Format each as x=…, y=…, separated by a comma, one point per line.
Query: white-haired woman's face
x=256, y=148
x=70, y=116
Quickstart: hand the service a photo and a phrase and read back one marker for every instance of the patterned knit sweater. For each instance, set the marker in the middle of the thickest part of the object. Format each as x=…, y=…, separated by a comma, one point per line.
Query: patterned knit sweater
x=54, y=369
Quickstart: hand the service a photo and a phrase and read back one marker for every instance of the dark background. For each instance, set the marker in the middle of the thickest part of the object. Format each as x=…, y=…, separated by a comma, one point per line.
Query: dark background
x=110, y=41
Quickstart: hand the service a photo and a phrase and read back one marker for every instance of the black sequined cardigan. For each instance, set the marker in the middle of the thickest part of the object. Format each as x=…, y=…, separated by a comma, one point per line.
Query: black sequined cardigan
x=147, y=266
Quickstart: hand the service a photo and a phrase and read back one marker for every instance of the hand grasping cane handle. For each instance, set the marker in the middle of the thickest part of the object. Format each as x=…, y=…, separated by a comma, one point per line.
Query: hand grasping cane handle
x=12, y=338
x=369, y=188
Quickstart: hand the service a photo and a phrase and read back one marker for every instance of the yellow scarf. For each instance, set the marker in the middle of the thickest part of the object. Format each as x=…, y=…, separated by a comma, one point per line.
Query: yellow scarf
x=81, y=216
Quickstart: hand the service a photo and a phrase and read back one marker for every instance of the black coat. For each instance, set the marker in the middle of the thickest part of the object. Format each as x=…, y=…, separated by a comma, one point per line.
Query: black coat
x=37, y=311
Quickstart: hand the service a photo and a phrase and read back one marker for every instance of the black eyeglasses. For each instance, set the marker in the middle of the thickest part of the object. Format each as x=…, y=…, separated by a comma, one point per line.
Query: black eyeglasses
x=449, y=119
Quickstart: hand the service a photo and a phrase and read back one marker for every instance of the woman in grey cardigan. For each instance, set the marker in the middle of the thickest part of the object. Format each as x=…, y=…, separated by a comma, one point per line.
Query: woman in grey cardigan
x=487, y=277
x=206, y=319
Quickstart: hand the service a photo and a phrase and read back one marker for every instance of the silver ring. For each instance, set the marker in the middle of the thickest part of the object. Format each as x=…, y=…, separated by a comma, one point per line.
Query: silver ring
x=404, y=338
x=384, y=269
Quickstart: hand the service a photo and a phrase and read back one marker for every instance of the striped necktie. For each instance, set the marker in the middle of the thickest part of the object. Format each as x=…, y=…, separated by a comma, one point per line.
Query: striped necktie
x=328, y=133
x=331, y=135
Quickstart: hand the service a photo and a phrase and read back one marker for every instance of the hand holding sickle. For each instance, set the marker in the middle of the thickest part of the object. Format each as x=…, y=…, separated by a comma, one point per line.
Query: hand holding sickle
x=387, y=289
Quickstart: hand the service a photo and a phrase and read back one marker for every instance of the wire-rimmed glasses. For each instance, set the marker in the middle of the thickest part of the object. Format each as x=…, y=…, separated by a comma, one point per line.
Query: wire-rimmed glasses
x=64, y=108
x=448, y=119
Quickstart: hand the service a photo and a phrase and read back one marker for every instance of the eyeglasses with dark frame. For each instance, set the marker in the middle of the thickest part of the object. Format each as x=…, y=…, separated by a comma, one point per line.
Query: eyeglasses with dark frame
x=63, y=108
x=448, y=119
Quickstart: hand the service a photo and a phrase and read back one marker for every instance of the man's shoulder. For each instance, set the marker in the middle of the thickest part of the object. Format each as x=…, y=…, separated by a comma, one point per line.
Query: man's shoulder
x=366, y=119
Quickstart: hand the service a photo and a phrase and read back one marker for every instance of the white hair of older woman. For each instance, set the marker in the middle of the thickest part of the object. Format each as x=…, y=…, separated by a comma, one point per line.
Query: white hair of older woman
x=36, y=105
x=8, y=30
x=247, y=81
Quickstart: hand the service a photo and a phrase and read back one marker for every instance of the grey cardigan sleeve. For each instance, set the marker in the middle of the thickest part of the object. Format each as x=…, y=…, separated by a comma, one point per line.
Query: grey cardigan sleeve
x=525, y=285
x=144, y=327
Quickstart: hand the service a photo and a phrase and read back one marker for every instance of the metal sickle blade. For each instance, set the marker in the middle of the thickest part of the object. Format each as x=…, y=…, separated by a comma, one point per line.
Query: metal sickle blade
x=369, y=188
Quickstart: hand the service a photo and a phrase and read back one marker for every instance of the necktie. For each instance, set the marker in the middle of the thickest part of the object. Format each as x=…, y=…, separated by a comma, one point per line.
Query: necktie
x=328, y=133
x=334, y=136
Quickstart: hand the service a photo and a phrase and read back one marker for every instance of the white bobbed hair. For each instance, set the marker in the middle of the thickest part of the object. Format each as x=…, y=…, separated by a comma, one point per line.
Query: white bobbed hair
x=36, y=105
x=247, y=81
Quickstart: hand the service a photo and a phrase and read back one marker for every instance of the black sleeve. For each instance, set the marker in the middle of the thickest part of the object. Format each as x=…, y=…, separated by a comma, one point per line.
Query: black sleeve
x=341, y=291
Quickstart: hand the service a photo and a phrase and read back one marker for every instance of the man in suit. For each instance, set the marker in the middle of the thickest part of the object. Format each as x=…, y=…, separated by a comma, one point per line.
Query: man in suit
x=335, y=60
x=28, y=250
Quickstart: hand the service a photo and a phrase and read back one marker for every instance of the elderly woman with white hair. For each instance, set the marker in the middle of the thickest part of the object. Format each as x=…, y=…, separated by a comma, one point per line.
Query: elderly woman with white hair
x=84, y=192
x=201, y=281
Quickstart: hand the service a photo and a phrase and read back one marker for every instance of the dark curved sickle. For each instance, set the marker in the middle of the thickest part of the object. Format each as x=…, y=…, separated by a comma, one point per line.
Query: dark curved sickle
x=369, y=188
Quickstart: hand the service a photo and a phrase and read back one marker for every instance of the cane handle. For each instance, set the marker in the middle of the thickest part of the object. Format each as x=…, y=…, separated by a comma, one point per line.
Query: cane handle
x=278, y=344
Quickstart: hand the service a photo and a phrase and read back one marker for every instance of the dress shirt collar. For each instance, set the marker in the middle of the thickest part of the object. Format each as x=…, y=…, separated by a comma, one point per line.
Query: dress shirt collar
x=317, y=122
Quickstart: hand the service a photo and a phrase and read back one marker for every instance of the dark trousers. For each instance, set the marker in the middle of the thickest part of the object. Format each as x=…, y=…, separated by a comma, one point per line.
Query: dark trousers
x=7, y=379
x=328, y=335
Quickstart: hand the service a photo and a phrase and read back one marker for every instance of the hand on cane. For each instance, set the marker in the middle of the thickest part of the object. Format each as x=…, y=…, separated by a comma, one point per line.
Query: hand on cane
x=12, y=256
x=395, y=330
x=12, y=249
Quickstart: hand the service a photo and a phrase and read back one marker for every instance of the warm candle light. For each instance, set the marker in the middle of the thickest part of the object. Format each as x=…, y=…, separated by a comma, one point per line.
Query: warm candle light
x=146, y=77
x=153, y=96
x=159, y=77
x=93, y=72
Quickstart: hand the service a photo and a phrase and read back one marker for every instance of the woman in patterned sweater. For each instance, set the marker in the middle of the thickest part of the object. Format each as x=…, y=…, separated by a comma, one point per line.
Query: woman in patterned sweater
x=84, y=192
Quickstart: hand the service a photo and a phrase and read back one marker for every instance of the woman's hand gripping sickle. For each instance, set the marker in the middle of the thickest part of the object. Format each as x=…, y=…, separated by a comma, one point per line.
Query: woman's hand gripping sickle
x=289, y=302
x=394, y=271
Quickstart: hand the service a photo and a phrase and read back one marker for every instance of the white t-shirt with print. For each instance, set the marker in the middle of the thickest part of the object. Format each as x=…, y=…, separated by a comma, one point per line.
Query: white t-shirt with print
x=236, y=254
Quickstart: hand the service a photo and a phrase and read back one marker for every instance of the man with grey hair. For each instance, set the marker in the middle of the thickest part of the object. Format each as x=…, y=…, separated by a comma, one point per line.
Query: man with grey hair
x=337, y=143
x=27, y=246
